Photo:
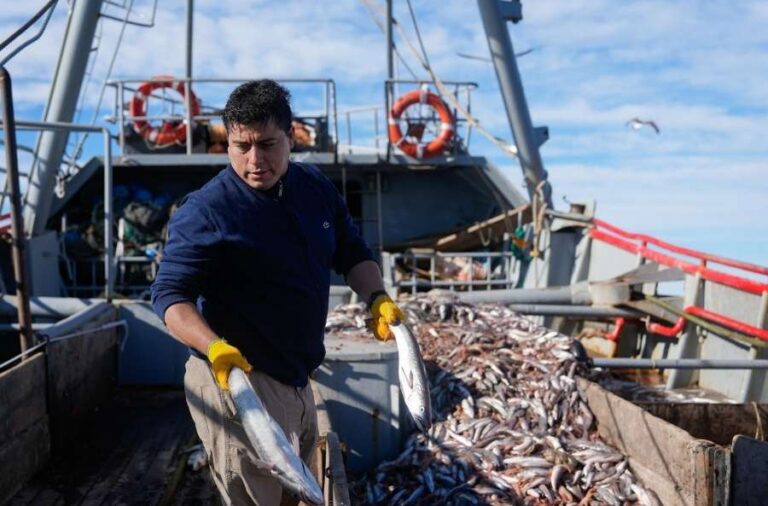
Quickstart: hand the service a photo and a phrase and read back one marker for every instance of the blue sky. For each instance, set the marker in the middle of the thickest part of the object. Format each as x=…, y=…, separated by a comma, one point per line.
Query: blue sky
x=698, y=69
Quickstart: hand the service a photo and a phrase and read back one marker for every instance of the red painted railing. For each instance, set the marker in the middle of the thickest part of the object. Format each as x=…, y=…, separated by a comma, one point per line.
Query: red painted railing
x=745, y=266
x=725, y=321
x=622, y=239
x=723, y=278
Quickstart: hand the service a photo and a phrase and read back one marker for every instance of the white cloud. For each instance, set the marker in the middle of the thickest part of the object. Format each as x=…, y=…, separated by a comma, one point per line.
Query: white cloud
x=696, y=68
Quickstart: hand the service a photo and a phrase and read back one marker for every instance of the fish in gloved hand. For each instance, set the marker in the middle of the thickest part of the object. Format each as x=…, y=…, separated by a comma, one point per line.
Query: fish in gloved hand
x=388, y=322
x=413, y=376
x=269, y=441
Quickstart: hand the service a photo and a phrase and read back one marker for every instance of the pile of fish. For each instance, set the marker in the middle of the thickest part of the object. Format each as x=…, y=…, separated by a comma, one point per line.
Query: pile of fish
x=510, y=425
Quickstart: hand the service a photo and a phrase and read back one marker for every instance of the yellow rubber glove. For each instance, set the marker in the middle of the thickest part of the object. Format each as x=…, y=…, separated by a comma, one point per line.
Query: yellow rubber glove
x=223, y=356
x=384, y=312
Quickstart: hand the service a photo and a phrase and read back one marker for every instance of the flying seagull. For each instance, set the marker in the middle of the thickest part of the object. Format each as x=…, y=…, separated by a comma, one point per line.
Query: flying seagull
x=485, y=59
x=637, y=123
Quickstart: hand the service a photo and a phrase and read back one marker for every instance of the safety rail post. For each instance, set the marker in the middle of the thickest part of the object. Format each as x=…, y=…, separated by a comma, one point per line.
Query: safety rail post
x=688, y=342
x=349, y=132
x=332, y=112
x=17, y=227
x=188, y=114
x=121, y=116
x=109, y=261
x=108, y=204
x=387, y=108
x=753, y=381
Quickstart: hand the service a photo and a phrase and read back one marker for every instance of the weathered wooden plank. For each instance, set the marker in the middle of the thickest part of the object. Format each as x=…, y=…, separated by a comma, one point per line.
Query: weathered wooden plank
x=22, y=457
x=749, y=472
x=82, y=372
x=142, y=480
x=123, y=456
x=335, y=467
x=678, y=466
x=129, y=432
x=718, y=423
x=22, y=397
x=323, y=427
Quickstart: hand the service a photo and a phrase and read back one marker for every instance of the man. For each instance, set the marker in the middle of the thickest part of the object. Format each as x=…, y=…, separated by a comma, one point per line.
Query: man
x=244, y=281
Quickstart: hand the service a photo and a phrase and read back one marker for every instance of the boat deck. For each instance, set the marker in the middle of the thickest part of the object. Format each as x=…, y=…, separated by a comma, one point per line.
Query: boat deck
x=128, y=453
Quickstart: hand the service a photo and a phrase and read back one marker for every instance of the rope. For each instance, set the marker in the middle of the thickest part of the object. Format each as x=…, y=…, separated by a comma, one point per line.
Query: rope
x=446, y=94
x=418, y=35
x=539, y=209
x=379, y=23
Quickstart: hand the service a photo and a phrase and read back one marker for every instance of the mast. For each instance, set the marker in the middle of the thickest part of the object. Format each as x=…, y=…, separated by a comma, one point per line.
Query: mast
x=61, y=108
x=495, y=14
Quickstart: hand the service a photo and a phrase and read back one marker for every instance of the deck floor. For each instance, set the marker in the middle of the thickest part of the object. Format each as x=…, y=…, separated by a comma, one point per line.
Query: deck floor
x=127, y=455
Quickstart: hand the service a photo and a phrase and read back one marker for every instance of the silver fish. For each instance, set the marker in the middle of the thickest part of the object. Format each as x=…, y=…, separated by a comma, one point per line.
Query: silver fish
x=413, y=376
x=269, y=441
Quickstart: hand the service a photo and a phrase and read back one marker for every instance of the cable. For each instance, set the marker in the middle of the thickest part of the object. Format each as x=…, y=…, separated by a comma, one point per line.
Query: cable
x=49, y=7
x=447, y=95
x=379, y=23
x=79, y=146
x=418, y=36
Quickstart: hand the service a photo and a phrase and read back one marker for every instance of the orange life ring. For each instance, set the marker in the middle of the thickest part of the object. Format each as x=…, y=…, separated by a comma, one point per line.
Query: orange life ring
x=418, y=149
x=168, y=132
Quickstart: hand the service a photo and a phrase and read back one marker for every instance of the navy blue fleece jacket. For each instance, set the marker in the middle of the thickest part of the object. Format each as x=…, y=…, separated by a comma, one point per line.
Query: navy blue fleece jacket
x=257, y=264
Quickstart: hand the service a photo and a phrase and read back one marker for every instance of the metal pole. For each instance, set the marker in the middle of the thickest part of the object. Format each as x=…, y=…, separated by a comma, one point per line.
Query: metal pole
x=495, y=14
x=66, y=87
x=190, y=19
x=390, y=43
x=121, y=116
x=188, y=75
x=109, y=282
x=680, y=363
x=577, y=294
x=586, y=312
x=17, y=229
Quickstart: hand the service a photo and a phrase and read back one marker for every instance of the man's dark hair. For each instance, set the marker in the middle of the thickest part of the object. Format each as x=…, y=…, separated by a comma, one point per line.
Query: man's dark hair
x=256, y=103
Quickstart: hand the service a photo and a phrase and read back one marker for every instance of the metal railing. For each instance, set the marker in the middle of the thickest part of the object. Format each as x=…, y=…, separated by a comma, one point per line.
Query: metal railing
x=462, y=91
x=377, y=137
x=694, y=315
x=109, y=264
x=422, y=271
x=130, y=86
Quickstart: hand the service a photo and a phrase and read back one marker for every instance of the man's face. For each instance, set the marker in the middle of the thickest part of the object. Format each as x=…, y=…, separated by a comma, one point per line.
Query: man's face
x=259, y=154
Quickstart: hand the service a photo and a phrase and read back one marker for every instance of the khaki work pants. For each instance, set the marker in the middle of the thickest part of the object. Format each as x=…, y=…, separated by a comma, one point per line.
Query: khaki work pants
x=239, y=475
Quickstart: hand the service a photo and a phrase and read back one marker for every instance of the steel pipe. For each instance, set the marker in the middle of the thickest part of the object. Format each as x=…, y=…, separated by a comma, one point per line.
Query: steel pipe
x=680, y=363
x=53, y=307
x=9, y=327
x=577, y=294
x=18, y=239
x=586, y=312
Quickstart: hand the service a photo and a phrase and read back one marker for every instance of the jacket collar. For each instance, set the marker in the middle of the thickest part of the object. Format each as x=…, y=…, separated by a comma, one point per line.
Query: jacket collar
x=277, y=192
